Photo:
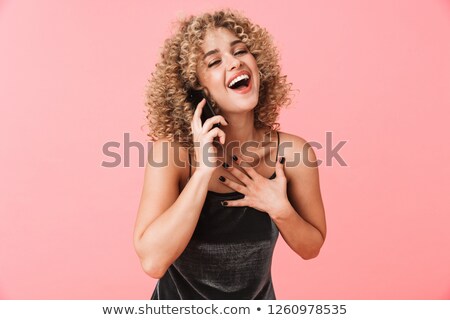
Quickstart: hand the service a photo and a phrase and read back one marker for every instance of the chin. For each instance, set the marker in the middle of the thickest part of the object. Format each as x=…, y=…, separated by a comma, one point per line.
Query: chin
x=243, y=106
x=248, y=103
x=235, y=103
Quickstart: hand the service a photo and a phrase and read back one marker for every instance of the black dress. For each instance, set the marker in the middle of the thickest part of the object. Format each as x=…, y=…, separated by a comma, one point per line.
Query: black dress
x=228, y=257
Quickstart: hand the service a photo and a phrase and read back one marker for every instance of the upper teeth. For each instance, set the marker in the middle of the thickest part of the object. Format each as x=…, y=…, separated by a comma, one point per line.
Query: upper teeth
x=239, y=78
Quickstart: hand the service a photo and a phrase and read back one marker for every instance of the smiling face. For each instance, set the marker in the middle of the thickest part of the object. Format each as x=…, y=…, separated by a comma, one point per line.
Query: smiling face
x=228, y=71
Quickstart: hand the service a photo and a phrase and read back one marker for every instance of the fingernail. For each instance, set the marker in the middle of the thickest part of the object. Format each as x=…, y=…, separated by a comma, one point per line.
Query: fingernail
x=221, y=178
x=225, y=165
x=224, y=203
x=234, y=158
x=282, y=160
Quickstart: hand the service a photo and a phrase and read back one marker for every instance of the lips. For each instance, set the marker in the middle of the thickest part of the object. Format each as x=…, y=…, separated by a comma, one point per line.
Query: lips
x=237, y=75
x=244, y=89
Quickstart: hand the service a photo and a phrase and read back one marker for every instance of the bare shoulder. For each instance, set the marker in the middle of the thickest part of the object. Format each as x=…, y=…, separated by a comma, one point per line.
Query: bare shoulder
x=302, y=176
x=299, y=155
x=167, y=156
x=164, y=170
x=291, y=141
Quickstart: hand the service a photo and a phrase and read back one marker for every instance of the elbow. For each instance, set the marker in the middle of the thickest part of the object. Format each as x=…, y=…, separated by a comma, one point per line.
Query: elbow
x=150, y=264
x=310, y=254
x=152, y=269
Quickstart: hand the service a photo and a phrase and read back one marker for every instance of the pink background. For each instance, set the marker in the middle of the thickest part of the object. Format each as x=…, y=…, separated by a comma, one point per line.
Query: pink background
x=375, y=73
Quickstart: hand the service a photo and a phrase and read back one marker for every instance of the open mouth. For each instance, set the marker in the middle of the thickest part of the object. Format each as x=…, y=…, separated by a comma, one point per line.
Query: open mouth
x=240, y=82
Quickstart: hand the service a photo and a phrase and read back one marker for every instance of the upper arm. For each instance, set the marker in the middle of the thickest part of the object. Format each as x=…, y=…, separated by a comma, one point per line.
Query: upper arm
x=161, y=183
x=303, y=187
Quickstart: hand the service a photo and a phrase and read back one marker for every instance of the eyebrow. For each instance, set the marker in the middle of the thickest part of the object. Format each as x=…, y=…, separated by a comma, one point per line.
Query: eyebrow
x=232, y=43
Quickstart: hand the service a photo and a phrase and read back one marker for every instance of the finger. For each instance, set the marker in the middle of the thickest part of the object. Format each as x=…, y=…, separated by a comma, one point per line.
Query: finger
x=247, y=168
x=233, y=185
x=235, y=203
x=211, y=121
x=216, y=132
x=279, y=167
x=239, y=175
x=197, y=113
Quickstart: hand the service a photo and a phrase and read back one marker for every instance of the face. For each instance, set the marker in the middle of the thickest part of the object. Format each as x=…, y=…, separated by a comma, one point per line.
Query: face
x=228, y=71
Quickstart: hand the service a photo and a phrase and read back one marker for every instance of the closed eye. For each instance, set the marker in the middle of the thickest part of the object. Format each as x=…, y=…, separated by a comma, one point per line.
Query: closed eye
x=213, y=63
x=240, y=52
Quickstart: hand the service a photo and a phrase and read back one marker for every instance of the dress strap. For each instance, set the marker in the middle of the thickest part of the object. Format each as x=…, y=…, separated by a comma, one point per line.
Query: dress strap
x=278, y=145
x=189, y=159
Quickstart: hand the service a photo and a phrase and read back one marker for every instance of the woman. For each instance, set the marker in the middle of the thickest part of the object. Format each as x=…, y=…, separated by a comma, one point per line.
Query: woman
x=207, y=229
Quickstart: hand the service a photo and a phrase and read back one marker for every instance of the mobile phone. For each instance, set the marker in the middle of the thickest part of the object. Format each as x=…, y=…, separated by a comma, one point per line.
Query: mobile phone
x=194, y=97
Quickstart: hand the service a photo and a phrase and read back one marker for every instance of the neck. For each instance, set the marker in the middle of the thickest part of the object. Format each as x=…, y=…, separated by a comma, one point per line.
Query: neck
x=240, y=127
x=241, y=135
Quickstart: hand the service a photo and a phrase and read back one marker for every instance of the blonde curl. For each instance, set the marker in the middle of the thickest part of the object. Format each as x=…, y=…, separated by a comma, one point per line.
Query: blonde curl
x=169, y=114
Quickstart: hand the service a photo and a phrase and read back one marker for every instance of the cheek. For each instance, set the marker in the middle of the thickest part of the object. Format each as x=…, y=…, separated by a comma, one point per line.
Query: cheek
x=202, y=78
x=215, y=82
x=206, y=78
x=202, y=75
x=254, y=66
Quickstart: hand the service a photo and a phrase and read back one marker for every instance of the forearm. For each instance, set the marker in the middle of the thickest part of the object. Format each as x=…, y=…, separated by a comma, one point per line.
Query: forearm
x=305, y=239
x=167, y=236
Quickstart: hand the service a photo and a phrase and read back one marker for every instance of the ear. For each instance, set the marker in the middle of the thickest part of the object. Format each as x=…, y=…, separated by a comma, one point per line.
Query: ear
x=205, y=91
x=202, y=88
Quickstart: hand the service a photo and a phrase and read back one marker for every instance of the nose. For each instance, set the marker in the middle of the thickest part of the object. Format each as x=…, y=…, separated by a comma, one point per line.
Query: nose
x=233, y=63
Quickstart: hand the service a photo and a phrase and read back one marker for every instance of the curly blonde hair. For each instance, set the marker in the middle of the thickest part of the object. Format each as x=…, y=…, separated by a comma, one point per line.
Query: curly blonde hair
x=170, y=114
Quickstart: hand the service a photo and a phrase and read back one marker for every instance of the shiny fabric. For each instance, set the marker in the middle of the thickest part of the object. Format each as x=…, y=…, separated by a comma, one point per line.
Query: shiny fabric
x=228, y=257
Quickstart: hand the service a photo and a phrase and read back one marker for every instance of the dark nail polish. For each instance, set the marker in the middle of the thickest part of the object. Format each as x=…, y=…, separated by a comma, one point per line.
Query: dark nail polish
x=225, y=165
x=282, y=160
x=234, y=158
x=224, y=203
x=221, y=178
